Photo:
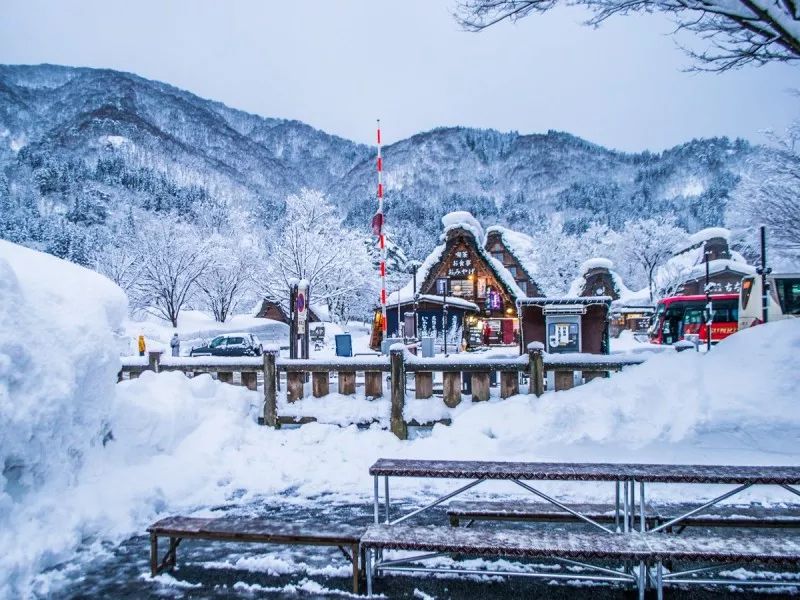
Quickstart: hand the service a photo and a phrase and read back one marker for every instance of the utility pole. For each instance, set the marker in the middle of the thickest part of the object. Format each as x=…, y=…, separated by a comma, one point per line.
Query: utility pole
x=764, y=271
x=709, y=305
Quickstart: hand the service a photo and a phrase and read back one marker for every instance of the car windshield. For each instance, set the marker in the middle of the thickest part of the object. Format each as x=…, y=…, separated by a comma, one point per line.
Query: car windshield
x=217, y=342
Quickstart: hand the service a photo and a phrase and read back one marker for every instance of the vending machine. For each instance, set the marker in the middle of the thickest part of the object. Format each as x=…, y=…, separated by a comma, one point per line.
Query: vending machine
x=563, y=333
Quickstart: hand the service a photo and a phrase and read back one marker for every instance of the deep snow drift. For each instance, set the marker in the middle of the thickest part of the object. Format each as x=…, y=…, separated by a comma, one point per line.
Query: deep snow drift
x=183, y=445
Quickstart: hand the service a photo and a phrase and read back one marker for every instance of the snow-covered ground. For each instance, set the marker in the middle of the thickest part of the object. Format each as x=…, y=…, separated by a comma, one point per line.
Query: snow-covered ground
x=87, y=463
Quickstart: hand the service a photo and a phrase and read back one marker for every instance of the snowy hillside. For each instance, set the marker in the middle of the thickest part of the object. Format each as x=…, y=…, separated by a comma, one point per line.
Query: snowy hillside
x=82, y=149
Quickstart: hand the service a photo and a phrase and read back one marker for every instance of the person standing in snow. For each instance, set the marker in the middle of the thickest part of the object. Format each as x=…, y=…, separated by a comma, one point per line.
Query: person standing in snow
x=487, y=333
x=175, y=344
x=141, y=345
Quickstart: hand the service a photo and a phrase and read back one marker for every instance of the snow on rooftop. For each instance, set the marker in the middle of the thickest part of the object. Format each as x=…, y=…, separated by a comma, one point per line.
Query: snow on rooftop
x=596, y=263
x=462, y=219
x=625, y=294
x=701, y=236
x=520, y=245
x=719, y=265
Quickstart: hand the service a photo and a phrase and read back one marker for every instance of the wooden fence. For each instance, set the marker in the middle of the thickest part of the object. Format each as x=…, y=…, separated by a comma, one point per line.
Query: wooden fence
x=399, y=365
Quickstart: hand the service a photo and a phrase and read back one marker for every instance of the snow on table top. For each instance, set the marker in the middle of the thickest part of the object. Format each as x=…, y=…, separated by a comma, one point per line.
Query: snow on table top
x=654, y=473
x=572, y=544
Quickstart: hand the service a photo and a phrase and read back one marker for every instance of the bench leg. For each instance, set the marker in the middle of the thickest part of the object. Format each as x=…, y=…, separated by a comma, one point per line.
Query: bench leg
x=153, y=554
x=354, y=554
x=173, y=551
x=659, y=581
x=640, y=582
x=369, y=572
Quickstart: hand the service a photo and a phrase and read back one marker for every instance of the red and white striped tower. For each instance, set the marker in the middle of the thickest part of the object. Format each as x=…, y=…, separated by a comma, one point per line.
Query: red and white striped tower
x=381, y=234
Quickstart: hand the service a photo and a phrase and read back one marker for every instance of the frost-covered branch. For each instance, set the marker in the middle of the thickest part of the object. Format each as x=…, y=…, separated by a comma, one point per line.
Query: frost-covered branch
x=738, y=32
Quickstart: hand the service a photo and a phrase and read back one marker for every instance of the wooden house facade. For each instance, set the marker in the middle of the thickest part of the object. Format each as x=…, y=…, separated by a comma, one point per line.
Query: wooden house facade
x=477, y=290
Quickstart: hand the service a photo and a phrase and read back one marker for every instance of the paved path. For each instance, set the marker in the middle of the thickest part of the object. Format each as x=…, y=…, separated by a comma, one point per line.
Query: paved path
x=219, y=570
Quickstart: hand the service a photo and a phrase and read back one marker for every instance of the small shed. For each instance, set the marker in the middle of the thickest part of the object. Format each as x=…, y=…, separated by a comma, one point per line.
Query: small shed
x=566, y=324
x=271, y=309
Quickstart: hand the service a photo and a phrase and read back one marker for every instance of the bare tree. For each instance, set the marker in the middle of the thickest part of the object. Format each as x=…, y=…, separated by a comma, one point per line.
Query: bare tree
x=312, y=243
x=738, y=32
x=173, y=259
x=226, y=281
x=647, y=244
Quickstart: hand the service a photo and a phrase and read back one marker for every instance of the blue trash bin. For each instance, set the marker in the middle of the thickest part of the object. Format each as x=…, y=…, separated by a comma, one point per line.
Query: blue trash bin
x=344, y=344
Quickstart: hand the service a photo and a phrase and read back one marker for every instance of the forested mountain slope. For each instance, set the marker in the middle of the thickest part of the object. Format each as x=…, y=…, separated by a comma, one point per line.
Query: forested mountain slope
x=83, y=152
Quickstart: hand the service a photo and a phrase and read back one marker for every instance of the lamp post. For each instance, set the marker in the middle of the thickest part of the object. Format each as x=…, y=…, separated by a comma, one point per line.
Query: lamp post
x=764, y=270
x=444, y=314
x=414, y=266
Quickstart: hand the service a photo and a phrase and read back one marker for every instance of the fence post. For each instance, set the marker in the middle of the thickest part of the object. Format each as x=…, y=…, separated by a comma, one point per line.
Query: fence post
x=536, y=368
x=509, y=383
x=480, y=386
x=250, y=380
x=564, y=380
x=397, y=366
x=347, y=382
x=270, y=391
x=451, y=388
x=153, y=360
x=320, y=383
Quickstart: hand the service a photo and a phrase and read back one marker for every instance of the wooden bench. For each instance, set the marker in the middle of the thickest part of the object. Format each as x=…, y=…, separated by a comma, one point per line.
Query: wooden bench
x=521, y=510
x=255, y=530
x=578, y=547
x=571, y=547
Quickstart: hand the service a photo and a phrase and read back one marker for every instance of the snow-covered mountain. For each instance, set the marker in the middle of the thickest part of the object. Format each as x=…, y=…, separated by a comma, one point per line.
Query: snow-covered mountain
x=82, y=147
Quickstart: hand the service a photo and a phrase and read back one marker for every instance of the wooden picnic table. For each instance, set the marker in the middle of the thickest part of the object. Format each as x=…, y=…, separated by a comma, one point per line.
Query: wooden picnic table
x=626, y=477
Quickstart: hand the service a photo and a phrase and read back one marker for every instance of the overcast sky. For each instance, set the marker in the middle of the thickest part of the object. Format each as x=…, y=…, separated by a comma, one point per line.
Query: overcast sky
x=338, y=65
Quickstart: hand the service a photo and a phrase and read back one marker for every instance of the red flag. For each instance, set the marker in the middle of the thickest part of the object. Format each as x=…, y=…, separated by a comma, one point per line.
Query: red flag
x=377, y=223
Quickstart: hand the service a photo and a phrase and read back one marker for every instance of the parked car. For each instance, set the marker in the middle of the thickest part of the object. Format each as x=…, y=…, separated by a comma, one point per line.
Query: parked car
x=231, y=344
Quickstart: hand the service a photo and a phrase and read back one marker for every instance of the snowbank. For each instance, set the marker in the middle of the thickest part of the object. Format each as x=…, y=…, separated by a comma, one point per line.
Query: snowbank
x=58, y=367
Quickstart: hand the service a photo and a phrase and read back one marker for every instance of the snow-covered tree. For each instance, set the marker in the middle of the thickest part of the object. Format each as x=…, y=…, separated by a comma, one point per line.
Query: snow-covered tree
x=312, y=243
x=173, y=259
x=645, y=245
x=769, y=194
x=738, y=32
x=226, y=281
x=121, y=262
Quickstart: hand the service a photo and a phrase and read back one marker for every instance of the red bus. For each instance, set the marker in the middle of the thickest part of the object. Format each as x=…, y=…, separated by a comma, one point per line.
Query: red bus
x=679, y=316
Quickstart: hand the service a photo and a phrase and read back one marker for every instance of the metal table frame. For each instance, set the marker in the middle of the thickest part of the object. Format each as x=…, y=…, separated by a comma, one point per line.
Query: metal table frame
x=623, y=523
x=625, y=503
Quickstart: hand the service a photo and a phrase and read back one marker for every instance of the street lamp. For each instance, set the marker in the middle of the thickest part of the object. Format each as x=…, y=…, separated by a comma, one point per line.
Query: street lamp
x=444, y=313
x=764, y=271
x=414, y=266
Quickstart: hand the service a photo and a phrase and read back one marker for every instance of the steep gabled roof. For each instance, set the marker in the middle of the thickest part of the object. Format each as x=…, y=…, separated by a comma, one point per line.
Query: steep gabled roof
x=456, y=233
x=520, y=246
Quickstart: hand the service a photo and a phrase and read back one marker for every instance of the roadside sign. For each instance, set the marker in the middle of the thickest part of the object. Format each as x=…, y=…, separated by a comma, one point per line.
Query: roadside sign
x=302, y=307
